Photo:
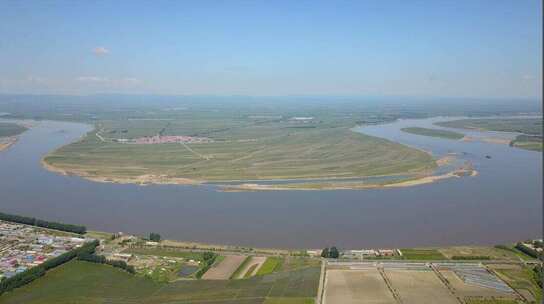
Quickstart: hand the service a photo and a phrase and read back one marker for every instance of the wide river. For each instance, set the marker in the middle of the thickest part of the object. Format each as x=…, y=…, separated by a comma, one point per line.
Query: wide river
x=501, y=204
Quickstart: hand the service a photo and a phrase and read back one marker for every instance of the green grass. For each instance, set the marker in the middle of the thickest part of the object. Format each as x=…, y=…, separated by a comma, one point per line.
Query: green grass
x=99, y=235
x=157, y=251
x=518, y=253
x=87, y=283
x=533, y=143
x=244, y=149
x=218, y=260
x=250, y=270
x=240, y=268
x=82, y=282
x=269, y=266
x=165, y=273
x=521, y=278
x=10, y=129
x=422, y=254
x=292, y=263
x=433, y=133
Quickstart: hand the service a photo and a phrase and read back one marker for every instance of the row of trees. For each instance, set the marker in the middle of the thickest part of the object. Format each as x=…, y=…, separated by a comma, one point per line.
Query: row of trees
x=155, y=237
x=209, y=259
x=330, y=253
x=100, y=259
x=471, y=257
x=538, y=273
x=530, y=252
x=35, y=272
x=41, y=223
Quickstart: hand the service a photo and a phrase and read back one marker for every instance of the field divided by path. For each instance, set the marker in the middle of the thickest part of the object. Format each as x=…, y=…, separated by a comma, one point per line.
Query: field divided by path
x=225, y=269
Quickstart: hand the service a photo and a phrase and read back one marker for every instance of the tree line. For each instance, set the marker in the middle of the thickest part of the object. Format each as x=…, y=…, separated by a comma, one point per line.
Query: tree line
x=155, y=237
x=471, y=257
x=528, y=251
x=100, y=259
x=35, y=272
x=209, y=259
x=538, y=274
x=41, y=223
x=330, y=253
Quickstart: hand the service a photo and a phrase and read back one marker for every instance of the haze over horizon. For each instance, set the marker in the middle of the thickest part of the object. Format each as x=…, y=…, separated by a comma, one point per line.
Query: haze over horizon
x=483, y=49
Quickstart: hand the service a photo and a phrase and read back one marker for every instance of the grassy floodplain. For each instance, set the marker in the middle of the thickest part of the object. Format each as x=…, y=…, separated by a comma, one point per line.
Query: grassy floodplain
x=249, y=146
x=11, y=129
x=521, y=125
x=531, y=129
x=528, y=142
x=86, y=283
x=433, y=132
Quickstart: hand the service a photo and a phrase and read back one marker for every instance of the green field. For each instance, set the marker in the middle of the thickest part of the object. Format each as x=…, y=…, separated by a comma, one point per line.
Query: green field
x=527, y=142
x=433, y=132
x=240, y=268
x=197, y=256
x=87, y=283
x=245, y=147
x=531, y=129
x=521, y=278
x=422, y=254
x=530, y=126
x=10, y=129
x=269, y=266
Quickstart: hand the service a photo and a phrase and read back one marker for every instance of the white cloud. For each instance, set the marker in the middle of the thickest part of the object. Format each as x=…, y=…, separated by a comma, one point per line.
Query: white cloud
x=101, y=51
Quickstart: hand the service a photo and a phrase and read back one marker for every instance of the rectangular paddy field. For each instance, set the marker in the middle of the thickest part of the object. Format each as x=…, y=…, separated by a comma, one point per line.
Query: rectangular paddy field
x=412, y=283
x=225, y=269
x=470, y=290
x=356, y=286
x=419, y=287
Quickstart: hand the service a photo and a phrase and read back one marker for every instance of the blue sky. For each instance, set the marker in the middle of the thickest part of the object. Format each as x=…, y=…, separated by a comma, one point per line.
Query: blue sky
x=417, y=48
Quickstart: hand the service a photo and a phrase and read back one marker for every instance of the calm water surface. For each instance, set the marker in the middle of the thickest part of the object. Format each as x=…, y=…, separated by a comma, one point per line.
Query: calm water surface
x=501, y=204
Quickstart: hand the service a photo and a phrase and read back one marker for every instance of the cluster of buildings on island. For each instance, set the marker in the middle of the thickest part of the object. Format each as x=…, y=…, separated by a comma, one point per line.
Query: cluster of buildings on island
x=23, y=247
x=165, y=139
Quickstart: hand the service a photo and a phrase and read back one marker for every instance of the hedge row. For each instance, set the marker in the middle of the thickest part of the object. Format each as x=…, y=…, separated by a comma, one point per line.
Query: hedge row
x=528, y=251
x=33, y=273
x=41, y=223
x=209, y=259
x=471, y=257
x=100, y=259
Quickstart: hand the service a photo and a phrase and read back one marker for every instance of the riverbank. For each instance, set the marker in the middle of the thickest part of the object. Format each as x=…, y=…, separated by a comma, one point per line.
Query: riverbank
x=6, y=143
x=142, y=180
x=350, y=185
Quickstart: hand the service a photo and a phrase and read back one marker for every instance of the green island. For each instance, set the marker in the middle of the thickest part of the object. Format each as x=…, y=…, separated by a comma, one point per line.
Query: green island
x=8, y=133
x=11, y=129
x=193, y=146
x=433, y=132
x=530, y=129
